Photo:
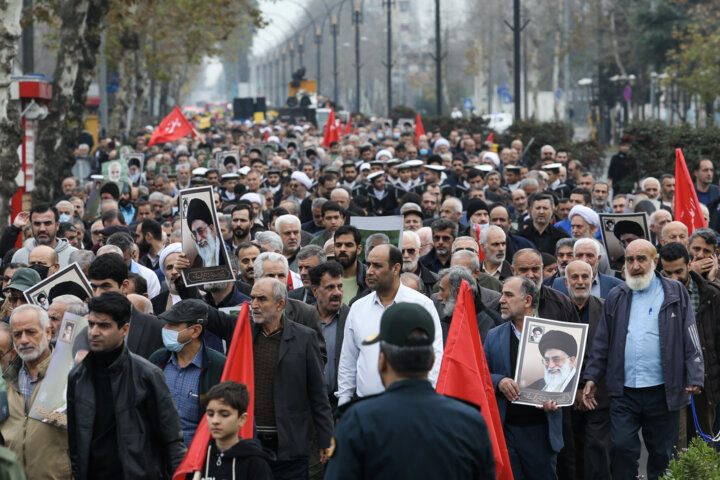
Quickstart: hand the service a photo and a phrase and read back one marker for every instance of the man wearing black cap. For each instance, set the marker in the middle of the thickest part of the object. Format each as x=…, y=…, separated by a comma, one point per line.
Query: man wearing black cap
x=190, y=367
x=559, y=352
x=199, y=220
x=406, y=337
x=382, y=197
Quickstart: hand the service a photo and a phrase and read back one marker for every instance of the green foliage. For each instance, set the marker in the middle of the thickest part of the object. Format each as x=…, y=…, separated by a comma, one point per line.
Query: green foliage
x=699, y=461
x=654, y=145
x=445, y=125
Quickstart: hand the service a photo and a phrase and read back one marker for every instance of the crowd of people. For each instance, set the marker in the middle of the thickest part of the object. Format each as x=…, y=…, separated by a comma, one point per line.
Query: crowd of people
x=522, y=232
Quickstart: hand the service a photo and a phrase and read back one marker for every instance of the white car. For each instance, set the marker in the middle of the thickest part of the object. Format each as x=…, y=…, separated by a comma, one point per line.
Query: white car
x=499, y=122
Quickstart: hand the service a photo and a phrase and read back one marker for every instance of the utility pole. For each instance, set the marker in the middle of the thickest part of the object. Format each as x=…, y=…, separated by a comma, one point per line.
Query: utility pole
x=277, y=77
x=334, y=32
x=357, y=20
x=389, y=4
x=566, y=60
x=28, y=42
x=301, y=47
x=516, y=29
x=438, y=61
x=283, y=78
x=292, y=58
x=318, y=42
x=102, y=84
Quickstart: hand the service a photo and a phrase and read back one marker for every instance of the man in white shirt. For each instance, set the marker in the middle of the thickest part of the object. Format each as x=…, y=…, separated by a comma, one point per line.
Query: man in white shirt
x=358, y=369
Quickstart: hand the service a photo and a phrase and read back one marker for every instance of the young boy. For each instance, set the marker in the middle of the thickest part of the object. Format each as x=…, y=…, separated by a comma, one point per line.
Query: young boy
x=230, y=457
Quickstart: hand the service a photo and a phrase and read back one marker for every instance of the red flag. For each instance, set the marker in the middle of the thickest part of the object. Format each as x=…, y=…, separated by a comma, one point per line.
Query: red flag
x=464, y=374
x=239, y=368
x=687, y=206
x=491, y=138
x=331, y=130
x=173, y=127
x=348, y=126
x=419, y=129
x=267, y=135
x=481, y=254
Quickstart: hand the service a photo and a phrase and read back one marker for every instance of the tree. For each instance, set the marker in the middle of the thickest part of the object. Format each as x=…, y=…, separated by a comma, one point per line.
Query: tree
x=10, y=126
x=81, y=24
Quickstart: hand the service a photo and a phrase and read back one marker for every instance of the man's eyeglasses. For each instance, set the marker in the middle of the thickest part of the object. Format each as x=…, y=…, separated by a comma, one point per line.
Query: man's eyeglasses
x=410, y=251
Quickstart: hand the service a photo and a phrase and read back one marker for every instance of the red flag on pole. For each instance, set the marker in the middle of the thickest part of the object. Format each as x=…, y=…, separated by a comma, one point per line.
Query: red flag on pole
x=173, y=127
x=267, y=135
x=491, y=138
x=239, y=368
x=481, y=254
x=348, y=126
x=464, y=374
x=687, y=206
x=419, y=129
x=331, y=130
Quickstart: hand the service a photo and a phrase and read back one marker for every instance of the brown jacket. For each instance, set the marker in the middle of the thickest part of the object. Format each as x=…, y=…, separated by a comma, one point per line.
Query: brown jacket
x=41, y=448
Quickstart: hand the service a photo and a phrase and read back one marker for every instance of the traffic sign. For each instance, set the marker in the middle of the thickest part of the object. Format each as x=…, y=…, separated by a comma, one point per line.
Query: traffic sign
x=468, y=104
x=627, y=93
x=558, y=94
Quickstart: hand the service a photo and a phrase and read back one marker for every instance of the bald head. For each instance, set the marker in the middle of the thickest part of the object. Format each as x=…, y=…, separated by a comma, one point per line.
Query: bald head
x=141, y=303
x=46, y=256
x=642, y=246
x=674, y=232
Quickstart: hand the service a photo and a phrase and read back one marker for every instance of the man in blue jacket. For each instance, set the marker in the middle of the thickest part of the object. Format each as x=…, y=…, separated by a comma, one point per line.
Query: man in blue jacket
x=648, y=351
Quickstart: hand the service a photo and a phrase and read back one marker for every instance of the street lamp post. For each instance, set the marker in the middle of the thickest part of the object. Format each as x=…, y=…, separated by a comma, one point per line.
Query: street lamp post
x=389, y=4
x=335, y=31
x=284, y=77
x=300, y=51
x=357, y=20
x=292, y=58
x=438, y=61
x=318, y=43
x=277, y=77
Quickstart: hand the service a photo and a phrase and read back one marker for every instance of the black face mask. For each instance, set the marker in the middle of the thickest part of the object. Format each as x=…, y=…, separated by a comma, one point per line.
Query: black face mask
x=42, y=270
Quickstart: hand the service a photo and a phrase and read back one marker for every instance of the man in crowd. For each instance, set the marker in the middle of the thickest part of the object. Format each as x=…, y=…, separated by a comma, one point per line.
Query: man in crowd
x=444, y=232
x=648, y=384
x=412, y=263
x=44, y=222
x=307, y=258
x=540, y=231
x=492, y=240
x=291, y=400
x=41, y=448
x=347, y=243
x=358, y=374
x=107, y=435
x=533, y=436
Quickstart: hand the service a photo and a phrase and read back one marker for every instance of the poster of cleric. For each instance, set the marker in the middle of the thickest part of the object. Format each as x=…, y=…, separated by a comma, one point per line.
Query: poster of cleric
x=549, y=361
x=202, y=242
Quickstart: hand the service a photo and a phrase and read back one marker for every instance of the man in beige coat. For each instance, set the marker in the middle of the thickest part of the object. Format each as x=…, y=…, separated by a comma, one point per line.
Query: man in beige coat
x=41, y=449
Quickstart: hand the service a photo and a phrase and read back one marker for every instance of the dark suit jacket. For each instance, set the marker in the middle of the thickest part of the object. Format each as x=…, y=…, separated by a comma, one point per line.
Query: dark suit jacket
x=299, y=294
x=307, y=315
x=339, y=336
x=145, y=335
x=595, y=310
x=302, y=406
x=553, y=305
x=606, y=282
x=497, y=353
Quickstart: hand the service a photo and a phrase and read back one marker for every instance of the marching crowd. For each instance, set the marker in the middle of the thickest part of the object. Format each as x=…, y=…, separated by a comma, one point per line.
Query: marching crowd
x=523, y=232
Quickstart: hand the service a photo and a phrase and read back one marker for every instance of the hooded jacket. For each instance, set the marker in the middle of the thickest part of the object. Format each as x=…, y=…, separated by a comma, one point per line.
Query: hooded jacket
x=62, y=247
x=246, y=459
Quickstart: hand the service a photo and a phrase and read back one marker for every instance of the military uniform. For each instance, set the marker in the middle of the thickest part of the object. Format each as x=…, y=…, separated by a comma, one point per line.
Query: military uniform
x=410, y=431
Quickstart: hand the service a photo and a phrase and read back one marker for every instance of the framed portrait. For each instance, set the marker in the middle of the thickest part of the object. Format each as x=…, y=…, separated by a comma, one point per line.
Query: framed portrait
x=227, y=154
x=50, y=404
x=384, y=229
x=202, y=241
x=116, y=171
x=406, y=125
x=67, y=281
x=619, y=229
x=549, y=361
x=135, y=164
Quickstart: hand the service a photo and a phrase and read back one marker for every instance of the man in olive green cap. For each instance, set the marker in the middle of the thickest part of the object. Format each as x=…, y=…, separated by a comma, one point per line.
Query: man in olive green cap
x=22, y=279
x=424, y=434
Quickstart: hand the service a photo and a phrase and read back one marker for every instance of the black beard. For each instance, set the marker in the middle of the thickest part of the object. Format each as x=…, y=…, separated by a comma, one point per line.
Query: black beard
x=347, y=262
x=239, y=232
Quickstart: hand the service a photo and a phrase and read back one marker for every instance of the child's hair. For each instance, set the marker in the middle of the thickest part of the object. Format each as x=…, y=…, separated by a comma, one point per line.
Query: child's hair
x=234, y=394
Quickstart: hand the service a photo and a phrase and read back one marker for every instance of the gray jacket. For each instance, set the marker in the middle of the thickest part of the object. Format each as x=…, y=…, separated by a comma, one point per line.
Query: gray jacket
x=62, y=247
x=681, y=355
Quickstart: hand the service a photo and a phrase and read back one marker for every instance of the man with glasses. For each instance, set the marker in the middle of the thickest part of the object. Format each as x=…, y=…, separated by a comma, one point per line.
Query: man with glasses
x=444, y=232
x=412, y=264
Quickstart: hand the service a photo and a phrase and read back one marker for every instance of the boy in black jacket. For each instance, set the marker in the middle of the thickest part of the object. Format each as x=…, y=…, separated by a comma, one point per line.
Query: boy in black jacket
x=230, y=457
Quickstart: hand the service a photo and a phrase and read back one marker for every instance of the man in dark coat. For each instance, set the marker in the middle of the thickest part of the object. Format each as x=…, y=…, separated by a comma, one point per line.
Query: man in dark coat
x=121, y=420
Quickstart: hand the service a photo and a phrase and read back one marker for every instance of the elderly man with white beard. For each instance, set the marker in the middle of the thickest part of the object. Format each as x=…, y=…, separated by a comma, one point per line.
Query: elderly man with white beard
x=41, y=448
x=412, y=264
x=592, y=427
x=202, y=228
x=493, y=242
x=648, y=351
x=448, y=290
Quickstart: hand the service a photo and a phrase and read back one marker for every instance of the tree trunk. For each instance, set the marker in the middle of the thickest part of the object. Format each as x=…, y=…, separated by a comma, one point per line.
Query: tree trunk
x=81, y=22
x=123, y=96
x=142, y=93
x=557, y=46
x=10, y=125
